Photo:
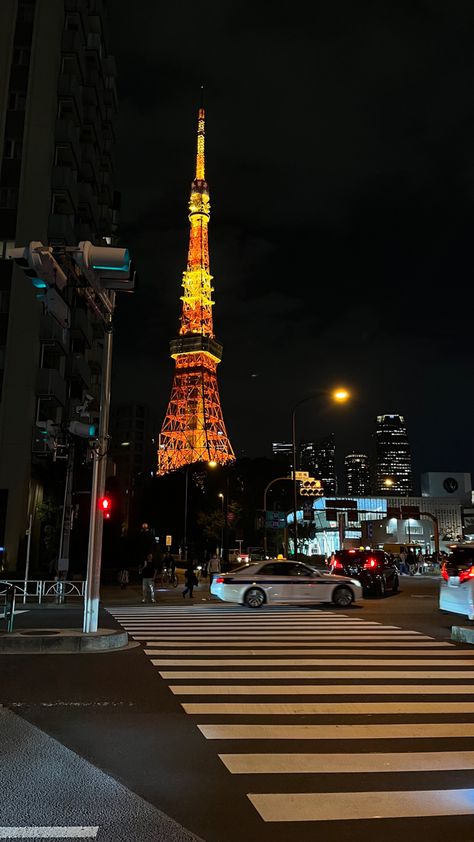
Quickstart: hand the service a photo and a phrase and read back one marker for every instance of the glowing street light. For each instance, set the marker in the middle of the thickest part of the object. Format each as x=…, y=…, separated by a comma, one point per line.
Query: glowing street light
x=340, y=395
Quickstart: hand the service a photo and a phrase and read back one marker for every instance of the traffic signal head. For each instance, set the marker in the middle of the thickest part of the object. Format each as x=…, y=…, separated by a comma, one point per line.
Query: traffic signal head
x=105, y=506
x=85, y=431
x=38, y=263
x=112, y=266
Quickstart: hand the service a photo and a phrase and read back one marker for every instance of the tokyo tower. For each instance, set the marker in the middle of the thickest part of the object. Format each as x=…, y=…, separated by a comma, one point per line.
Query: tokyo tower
x=193, y=429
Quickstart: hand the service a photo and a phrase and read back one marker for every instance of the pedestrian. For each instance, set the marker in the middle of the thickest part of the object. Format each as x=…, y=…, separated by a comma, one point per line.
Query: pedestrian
x=214, y=568
x=148, y=572
x=169, y=563
x=403, y=561
x=123, y=578
x=190, y=579
x=411, y=562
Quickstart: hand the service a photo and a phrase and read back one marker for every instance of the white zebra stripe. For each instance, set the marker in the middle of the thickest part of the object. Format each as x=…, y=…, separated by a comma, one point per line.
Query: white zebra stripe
x=398, y=731
x=410, y=761
x=308, y=708
x=233, y=662
x=322, y=690
x=340, y=674
x=338, y=806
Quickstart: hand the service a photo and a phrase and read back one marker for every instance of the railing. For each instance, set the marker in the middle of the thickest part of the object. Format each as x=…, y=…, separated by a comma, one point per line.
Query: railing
x=41, y=590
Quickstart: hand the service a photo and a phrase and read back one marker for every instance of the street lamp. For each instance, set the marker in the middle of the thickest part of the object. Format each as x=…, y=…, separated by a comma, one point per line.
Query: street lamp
x=339, y=395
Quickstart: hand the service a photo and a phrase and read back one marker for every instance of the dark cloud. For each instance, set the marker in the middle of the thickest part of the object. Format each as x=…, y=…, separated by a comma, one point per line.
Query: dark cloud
x=340, y=163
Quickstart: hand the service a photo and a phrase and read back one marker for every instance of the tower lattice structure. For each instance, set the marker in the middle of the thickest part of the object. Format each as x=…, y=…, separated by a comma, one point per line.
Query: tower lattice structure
x=193, y=429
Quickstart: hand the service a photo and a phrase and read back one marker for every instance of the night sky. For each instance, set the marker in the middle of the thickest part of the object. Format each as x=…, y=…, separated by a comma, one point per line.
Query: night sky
x=340, y=161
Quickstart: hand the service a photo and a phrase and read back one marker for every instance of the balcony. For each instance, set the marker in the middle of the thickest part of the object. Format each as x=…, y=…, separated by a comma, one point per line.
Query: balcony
x=52, y=332
x=61, y=229
x=64, y=179
x=50, y=385
x=78, y=369
x=67, y=133
x=81, y=326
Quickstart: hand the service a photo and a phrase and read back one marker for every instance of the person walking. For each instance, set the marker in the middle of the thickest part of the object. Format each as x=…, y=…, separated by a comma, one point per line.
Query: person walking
x=148, y=573
x=403, y=561
x=214, y=568
x=411, y=562
x=190, y=579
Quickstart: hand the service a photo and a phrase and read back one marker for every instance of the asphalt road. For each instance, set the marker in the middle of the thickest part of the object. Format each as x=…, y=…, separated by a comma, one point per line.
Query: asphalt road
x=205, y=744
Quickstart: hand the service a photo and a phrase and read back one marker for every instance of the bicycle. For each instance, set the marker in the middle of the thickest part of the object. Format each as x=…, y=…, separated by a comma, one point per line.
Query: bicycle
x=169, y=578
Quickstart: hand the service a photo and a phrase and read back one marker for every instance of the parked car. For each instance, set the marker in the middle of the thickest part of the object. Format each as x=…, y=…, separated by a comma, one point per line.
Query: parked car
x=456, y=591
x=374, y=569
x=280, y=582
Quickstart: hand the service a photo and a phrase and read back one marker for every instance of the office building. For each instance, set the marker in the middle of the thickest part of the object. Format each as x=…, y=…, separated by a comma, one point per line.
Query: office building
x=283, y=450
x=357, y=471
x=318, y=458
x=393, y=456
x=133, y=429
x=57, y=104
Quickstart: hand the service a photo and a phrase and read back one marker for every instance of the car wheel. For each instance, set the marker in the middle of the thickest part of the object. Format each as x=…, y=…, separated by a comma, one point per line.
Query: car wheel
x=381, y=588
x=395, y=584
x=343, y=597
x=254, y=598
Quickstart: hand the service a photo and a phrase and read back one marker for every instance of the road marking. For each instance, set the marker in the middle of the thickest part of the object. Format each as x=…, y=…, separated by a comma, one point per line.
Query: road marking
x=358, y=660
x=291, y=674
x=78, y=832
x=234, y=662
x=308, y=708
x=319, y=806
x=397, y=731
x=422, y=761
x=368, y=647
x=322, y=690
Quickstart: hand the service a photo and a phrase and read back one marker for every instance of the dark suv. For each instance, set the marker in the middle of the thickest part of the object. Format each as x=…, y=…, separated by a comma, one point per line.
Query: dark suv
x=373, y=568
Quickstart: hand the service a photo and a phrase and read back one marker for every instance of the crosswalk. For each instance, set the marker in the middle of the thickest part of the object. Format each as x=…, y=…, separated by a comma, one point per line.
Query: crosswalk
x=370, y=720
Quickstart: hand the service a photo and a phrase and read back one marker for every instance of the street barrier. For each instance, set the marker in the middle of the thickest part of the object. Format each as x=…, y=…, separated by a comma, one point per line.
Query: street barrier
x=44, y=590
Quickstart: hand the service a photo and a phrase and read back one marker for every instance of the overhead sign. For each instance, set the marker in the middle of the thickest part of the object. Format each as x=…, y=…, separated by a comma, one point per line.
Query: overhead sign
x=275, y=520
x=412, y=512
x=300, y=475
x=336, y=506
x=169, y=540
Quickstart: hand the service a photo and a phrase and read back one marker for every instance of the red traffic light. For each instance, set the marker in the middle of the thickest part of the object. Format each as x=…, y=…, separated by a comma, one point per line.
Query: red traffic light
x=105, y=505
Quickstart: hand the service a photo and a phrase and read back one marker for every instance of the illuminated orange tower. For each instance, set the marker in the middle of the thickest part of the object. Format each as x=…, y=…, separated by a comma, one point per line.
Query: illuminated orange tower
x=194, y=429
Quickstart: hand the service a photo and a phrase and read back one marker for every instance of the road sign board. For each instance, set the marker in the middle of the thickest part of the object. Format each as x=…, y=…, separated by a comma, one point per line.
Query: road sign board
x=169, y=540
x=410, y=512
x=300, y=475
x=275, y=520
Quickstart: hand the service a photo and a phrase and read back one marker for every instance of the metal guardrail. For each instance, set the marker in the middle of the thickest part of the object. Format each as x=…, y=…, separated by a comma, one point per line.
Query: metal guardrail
x=40, y=590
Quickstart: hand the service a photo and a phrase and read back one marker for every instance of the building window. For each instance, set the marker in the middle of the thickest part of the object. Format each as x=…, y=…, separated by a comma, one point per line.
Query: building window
x=12, y=148
x=8, y=197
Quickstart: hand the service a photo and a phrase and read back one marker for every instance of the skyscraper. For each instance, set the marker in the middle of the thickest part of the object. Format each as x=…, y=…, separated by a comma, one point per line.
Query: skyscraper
x=193, y=429
x=318, y=458
x=394, y=469
x=357, y=470
x=57, y=104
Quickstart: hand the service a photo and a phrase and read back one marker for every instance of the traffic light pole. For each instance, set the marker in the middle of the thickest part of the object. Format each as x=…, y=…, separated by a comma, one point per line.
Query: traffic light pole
x=99, y=470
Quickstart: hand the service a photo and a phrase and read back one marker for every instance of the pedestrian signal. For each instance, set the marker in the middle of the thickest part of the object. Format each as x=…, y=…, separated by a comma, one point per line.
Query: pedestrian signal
x=105, y=505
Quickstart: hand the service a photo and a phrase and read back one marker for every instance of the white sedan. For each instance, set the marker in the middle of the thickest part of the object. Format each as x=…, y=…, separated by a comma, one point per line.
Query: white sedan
x=277, y=582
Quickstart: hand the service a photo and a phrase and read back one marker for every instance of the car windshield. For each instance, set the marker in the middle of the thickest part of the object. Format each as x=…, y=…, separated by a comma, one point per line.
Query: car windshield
x=461, y=558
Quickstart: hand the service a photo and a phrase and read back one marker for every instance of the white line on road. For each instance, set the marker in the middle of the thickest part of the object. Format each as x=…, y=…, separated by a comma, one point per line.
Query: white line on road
x=308, y=708
x=322, y=690
x=291, y=674
x=397, y=731
x=234, y=662
x=422, y=761
x=399, y=646
x=78, y=832
x=317, y=806
x=357, y=660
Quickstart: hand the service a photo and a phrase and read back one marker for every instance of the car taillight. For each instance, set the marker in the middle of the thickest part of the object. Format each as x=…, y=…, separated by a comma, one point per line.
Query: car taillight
x=370, y=564
x=444, y=572
x=337, y=565
x=466, y=574
x=219, y=580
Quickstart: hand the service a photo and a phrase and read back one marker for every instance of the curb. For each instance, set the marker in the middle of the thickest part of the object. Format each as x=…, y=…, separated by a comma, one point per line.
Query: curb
x=47, y=641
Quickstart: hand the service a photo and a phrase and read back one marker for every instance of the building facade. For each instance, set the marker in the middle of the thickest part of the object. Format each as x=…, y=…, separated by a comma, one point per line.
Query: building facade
x=357, y=471
x=133, y=429
x=57, y=105
x=319, y=459
x=393, y=456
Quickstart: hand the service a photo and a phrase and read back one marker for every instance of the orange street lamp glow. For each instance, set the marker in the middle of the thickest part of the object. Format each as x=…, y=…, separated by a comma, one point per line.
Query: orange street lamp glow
x=212, y=463
x=388, y=482
x=340, y=395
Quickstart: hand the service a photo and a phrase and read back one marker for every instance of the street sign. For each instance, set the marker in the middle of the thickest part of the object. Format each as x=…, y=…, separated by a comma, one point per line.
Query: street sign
x=349, y=506
x=300, y=475
x=169, y=540
x=393, y=511
x=275, y=520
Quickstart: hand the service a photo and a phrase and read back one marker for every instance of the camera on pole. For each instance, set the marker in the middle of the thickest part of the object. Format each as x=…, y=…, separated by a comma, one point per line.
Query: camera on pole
x=112, y=266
